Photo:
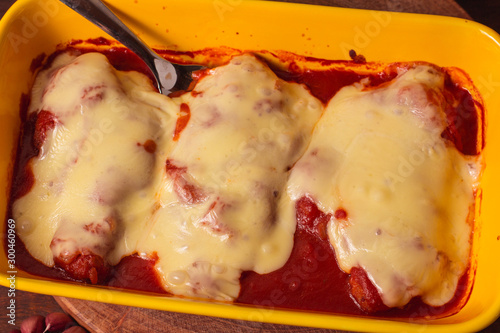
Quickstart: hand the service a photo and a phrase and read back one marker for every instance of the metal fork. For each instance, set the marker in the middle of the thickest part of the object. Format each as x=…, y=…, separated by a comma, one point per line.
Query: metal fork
x=169, y=77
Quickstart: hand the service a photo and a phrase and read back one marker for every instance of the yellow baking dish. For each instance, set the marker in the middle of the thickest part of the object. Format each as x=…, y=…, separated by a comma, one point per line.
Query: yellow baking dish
x=33, y=27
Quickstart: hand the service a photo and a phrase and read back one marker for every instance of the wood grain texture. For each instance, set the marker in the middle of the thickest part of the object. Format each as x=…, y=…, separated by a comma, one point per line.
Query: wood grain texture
x=27, y=304
x=105, y=318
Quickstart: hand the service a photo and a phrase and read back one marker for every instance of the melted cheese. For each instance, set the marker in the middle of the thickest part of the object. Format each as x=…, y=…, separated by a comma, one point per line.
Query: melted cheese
x=247, y=128
x=216, y=197
x=207, y=203
x=378, y=154
x=92, y=162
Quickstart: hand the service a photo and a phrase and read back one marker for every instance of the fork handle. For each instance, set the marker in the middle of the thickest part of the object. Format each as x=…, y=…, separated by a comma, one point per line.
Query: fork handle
x=96, y=12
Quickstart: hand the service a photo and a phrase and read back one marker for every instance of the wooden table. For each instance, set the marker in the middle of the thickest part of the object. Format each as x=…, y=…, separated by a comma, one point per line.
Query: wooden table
x=100, y=317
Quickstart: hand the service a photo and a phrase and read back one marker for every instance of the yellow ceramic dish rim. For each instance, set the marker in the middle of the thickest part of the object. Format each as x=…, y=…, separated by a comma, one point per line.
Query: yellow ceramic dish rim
x=32, y=27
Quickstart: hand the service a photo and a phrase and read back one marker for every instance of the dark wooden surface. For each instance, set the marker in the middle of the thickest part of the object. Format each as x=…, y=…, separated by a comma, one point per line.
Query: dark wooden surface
x=486, y=12
x=99, y=317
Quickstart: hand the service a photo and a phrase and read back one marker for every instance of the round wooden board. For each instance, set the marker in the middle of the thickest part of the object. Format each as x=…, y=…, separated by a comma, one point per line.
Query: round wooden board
x=104, y=318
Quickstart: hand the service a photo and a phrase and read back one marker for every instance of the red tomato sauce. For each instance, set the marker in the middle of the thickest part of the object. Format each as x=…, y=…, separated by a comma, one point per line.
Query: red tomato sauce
x=182, y=121
x=311, y=279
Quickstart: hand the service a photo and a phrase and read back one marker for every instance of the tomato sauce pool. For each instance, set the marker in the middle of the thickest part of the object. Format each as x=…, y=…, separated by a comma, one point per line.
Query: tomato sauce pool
x=311, y=279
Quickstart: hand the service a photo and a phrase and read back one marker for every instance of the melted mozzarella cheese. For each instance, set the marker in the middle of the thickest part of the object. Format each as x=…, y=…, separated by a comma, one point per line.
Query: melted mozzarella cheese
x=379, y=155
x=92, y=162
x=216, y=197
x=207, y=203
x=220, y=203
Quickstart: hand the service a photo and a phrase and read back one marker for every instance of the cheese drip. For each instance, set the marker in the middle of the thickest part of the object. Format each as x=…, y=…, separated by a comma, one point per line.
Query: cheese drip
x=220, y=205
x=91, y=162
x=207, y=203
x=379, y=155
